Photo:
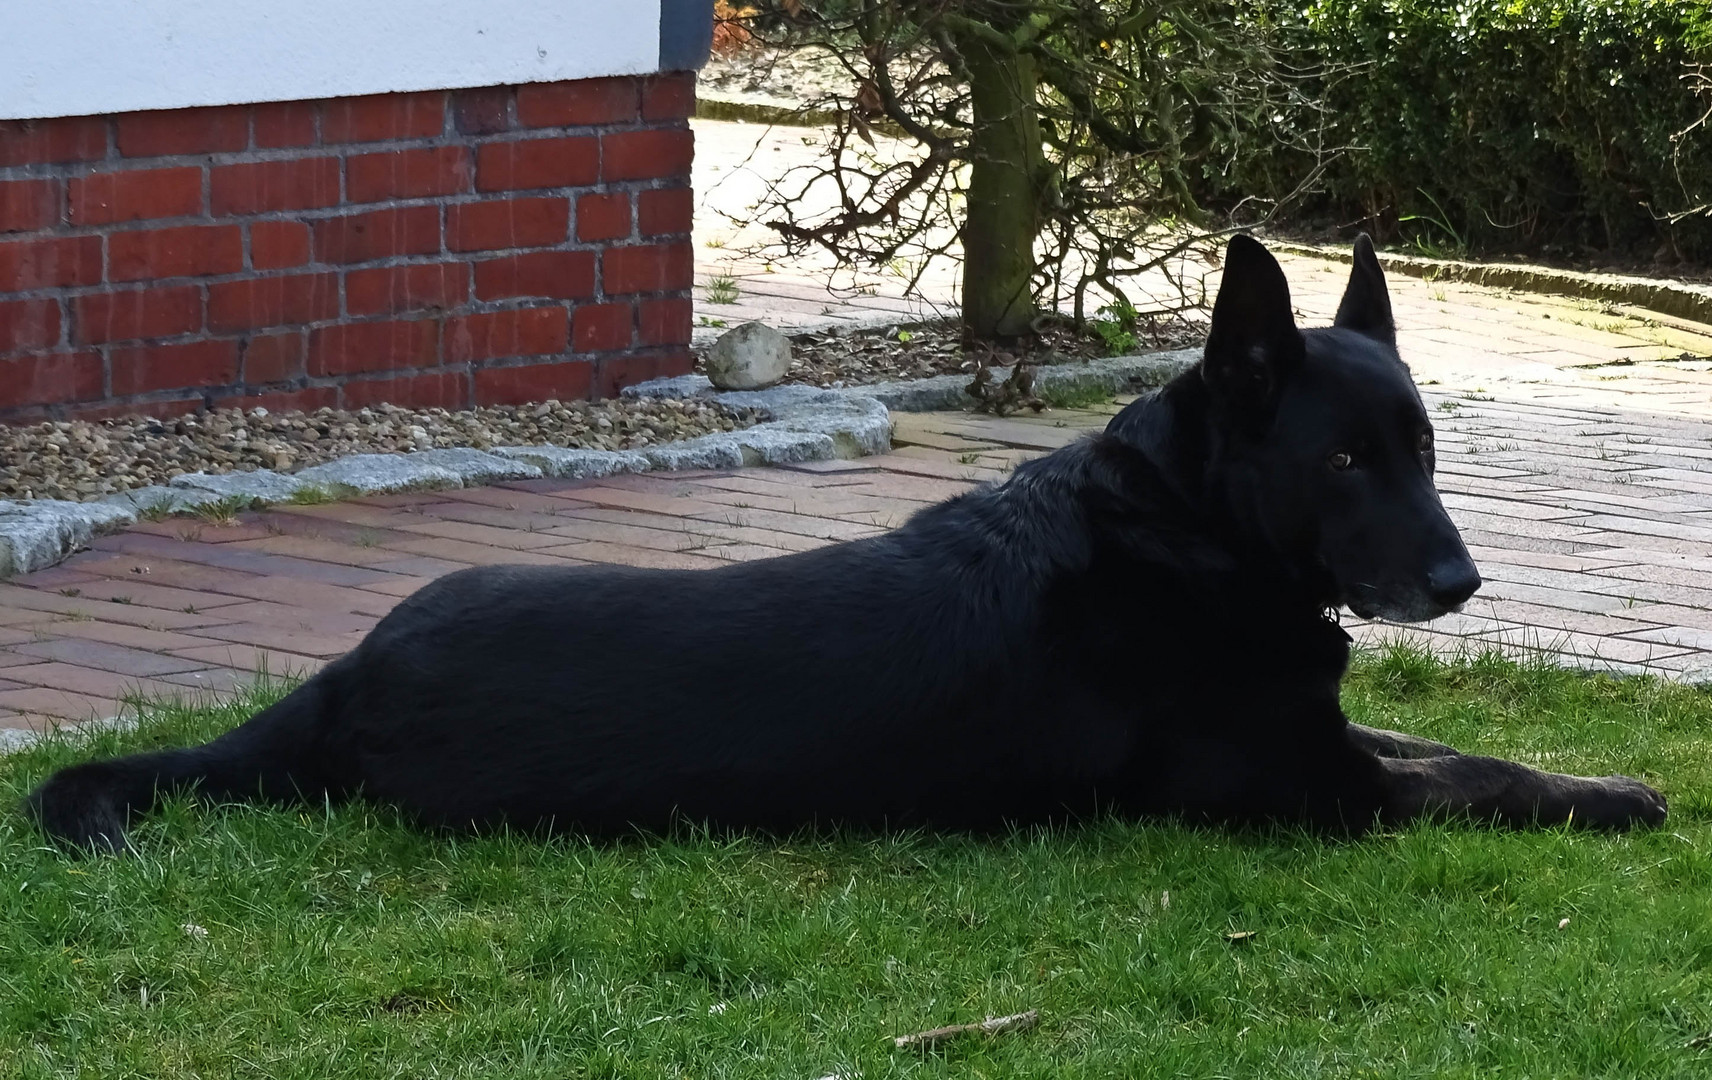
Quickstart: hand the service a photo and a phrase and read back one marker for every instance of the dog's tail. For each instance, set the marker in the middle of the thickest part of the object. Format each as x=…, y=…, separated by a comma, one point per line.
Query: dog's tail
x=275, y=755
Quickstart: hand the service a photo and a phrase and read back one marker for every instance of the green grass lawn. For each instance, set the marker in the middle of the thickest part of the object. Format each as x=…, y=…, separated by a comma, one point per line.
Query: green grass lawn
x=341, y=942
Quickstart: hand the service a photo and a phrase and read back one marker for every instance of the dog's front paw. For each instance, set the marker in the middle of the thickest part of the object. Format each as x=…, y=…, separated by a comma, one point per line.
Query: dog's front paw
x=1621, y=802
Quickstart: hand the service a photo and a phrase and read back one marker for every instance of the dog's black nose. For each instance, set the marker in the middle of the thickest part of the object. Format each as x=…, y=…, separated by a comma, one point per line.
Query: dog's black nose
x=1452, y=581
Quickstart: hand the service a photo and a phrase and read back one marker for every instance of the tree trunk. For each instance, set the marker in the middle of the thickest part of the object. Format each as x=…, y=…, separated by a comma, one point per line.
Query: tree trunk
x=1005, y=174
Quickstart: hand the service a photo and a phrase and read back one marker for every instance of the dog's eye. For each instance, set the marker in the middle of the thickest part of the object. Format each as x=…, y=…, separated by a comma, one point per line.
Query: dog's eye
x=1425, y=442
x=1340, y=460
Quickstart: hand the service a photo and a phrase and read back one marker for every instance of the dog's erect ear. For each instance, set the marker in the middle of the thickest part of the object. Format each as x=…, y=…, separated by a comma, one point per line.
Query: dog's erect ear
x=1253, y=344
x=1366, y=305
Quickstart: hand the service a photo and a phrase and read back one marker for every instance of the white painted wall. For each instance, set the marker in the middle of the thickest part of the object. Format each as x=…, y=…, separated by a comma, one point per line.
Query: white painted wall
x=79, y=57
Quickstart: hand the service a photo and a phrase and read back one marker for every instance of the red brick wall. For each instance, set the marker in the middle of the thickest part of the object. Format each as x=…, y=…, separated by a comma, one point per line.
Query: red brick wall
x=469, y=247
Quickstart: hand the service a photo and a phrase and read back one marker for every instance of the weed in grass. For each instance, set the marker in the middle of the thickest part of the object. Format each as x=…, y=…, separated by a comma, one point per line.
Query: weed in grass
x=1114, y=324
x=313, y=495
x=341, y=940
x=155, y=511
x=722, y=289
x=1063, y=396
x=224, y=511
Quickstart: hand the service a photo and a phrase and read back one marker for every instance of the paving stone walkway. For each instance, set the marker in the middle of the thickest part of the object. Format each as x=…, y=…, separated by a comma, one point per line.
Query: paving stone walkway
x=1576, y=455
x=1591, y=526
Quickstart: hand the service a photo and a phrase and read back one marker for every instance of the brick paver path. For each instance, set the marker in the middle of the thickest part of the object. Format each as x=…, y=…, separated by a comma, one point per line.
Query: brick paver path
x=1575, y=450
x=1591, y=527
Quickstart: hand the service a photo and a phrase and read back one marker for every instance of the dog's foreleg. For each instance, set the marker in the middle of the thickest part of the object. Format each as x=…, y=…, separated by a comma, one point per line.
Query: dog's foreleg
x=1484, y=788
x=1395, y=744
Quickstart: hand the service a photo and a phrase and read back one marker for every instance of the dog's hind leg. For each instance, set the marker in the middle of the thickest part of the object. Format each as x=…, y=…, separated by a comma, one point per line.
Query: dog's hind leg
x=1395, y=744
x=1463, y=785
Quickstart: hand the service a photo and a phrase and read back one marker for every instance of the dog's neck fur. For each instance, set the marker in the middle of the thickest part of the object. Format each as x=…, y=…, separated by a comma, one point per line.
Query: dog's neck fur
x=1177, y=432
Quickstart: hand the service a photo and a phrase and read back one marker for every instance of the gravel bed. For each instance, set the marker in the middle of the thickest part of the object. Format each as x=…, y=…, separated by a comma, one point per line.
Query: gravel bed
x=80, y=460
x=832, y=360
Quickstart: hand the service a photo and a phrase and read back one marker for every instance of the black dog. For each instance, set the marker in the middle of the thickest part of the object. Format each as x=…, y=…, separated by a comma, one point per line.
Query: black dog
x=1136, y=624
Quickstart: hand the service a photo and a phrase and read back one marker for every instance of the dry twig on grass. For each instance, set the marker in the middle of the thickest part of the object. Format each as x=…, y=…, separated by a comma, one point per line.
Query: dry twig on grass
x=993, y=1025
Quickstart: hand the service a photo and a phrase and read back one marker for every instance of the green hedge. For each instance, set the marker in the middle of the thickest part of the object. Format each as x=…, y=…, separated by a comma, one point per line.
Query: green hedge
x=1525, y=125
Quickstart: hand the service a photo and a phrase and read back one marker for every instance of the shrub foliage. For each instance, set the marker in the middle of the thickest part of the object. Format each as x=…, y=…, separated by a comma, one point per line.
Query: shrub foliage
x=1526, y=125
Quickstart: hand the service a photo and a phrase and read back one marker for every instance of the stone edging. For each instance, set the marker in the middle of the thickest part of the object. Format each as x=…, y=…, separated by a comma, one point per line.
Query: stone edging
x=1678, y=299
x=741, y=111
x=41, y=532
x=1113, y=375
x=808, y=424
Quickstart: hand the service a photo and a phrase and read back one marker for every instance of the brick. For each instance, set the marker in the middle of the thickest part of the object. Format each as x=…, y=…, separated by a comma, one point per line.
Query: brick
x=603, y=216
x=116, y=659
x=278, y=245
x=560, y=275
x=439, y=389
x=140, y=369
x=601, y=327
x=665, y=322
x=49, y=142
x=507, y=223
x=408, y=174
x=377, y=234
x=538, y=163
x=258, y=186
x=373, y=346
x=566, y=380
x=130, y=314
x=648, y=268
x=284, y=123
x=582, y=101
x=617, y=372
x=271, y=358
x=406, y=288
x=43, y=701
x=272, y=301
x=483, y=111
x=27, y=205
x=383, y=116
x=49, y=378
x=179, y=252
x=524, y=332
x=184, y=131
x=50, y=263
x=135, y=195
x=646, y=155
x=306, y=400
x=669, y=97
x=29, y=324
x=665, y=211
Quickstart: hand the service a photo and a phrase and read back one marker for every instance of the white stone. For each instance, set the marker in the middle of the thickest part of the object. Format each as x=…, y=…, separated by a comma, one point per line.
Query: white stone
x=749, y=357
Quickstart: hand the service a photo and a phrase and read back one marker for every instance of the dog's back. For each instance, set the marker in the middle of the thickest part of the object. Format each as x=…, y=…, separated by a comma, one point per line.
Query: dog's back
x=891, y=680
